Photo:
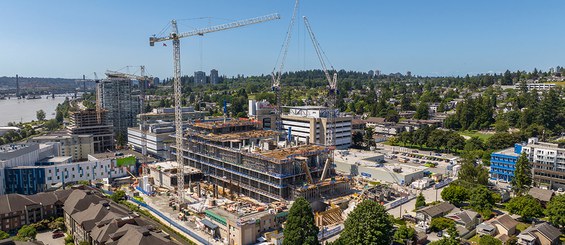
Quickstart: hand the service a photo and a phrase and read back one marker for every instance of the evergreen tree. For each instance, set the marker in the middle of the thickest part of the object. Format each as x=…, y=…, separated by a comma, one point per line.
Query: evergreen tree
x=422, y=112
x=368, y=223
x=522, y=175
x=420, y=201
x=300, y=227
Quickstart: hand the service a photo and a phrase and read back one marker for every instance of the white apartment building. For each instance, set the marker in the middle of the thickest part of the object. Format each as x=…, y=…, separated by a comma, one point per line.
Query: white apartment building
x=548, y=162
x=311, y=124
x=158, y=137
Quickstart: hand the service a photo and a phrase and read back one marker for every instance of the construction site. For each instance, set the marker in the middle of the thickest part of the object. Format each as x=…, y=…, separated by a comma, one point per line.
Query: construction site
x=248, y=161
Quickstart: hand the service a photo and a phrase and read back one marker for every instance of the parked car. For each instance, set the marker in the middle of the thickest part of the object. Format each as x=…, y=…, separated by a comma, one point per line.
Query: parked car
x=410, y=218
x=58, y=234
x=439, y=233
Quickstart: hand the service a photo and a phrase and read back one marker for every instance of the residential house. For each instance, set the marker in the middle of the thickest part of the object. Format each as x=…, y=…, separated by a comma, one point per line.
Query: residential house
x=505, y=225
x=540, y=234
x=542, y=195
x=426, y=214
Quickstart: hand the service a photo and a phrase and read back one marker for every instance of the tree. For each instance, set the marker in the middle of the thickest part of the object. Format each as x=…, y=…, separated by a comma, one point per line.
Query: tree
x=522, y=175
x=368, y=223
x=501, y=126
x=455, y=194
x=83, y=243
x=118, y=195
x=357, y=139
x=58, y=223
x=26, y=233
x=489, y=240
x=441, y=223
x=51, y=124
x=473, y=173
x=482, y=201
x=3, y=235
x=404, y=233
x=40, y=115
x=420, y=201
x=525, y=206
x=59, y=116
x=422, y=112
x=555, y=210
x=300, y=227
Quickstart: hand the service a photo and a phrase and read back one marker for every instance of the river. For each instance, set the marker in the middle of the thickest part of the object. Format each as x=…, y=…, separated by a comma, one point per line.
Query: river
x=23, y=110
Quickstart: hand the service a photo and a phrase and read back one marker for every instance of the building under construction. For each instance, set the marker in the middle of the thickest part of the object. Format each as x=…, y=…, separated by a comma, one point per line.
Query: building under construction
x=91, y=122
x=238, y=156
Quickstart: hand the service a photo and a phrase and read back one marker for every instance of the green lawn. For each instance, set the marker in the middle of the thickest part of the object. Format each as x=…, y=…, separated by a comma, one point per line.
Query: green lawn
x=473, y=133
x=475, y=239
x=521, y=226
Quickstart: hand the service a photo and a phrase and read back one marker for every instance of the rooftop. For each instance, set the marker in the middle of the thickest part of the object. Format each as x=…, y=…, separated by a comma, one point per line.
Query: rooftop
x=285, y=153
x=12, y=147
x=508, y=152
x=222, y=124
x=237, y=136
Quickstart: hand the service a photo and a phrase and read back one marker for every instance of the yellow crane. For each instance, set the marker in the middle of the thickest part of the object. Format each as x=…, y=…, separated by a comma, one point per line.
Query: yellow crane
x=175, y=36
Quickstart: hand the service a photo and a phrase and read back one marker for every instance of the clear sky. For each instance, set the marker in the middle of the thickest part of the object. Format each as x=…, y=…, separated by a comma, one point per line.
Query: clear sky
x=68, y=38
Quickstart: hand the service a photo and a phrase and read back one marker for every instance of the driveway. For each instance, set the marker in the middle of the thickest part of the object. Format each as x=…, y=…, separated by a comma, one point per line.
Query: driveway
x=46, y=238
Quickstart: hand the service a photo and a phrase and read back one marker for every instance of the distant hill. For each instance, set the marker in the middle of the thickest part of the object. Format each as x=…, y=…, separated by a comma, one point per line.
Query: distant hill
x=41, y=85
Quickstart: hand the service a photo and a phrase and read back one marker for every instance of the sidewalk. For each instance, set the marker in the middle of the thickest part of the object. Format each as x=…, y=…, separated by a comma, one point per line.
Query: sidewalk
x=172, y=215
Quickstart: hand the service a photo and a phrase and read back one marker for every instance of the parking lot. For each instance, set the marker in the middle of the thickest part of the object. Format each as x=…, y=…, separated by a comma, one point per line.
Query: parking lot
x=46, y=238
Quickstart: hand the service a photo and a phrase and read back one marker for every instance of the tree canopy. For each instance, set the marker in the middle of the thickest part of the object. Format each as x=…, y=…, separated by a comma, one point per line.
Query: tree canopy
x=555, y=210
x=525, y=206
x=300, y=227
x=368, y=223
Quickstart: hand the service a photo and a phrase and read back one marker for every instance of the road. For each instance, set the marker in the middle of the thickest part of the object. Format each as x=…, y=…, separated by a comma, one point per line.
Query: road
x=161, y=203
x=407, y=208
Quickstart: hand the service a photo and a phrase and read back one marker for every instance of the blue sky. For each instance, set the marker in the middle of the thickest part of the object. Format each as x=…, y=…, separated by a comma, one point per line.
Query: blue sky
x=68, y=38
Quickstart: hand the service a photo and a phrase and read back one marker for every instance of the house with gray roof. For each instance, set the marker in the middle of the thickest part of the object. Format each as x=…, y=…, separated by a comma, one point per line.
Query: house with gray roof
x=540, y=234
x=439, y=210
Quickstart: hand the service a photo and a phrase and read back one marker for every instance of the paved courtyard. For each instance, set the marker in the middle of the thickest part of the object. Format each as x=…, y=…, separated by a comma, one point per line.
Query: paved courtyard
x=46, y=238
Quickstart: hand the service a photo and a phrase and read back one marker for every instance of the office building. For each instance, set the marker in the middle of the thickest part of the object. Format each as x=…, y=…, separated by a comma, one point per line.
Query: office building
x=262, y=112
x=199, y=77
x=59, y=171
x=237, y=155
x=20, y=155
x=90, y=122
x=547, y=159
x=214, y=78
x=311, y=124
x=503, y=163
x=121, y=100
x=76, y=146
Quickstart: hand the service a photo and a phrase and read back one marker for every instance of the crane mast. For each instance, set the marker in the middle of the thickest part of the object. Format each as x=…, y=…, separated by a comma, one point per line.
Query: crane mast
x=277, y=75
x=332, y=95
x=175, y=36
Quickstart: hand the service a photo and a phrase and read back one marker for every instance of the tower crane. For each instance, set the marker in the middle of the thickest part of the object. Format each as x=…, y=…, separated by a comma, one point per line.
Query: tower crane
x=332, y=91
x=175, y=36
x=143, y=83
x=277, y=74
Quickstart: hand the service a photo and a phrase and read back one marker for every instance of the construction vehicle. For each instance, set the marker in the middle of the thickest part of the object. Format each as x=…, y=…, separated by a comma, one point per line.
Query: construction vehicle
x=175, y=36
x=332, y=95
